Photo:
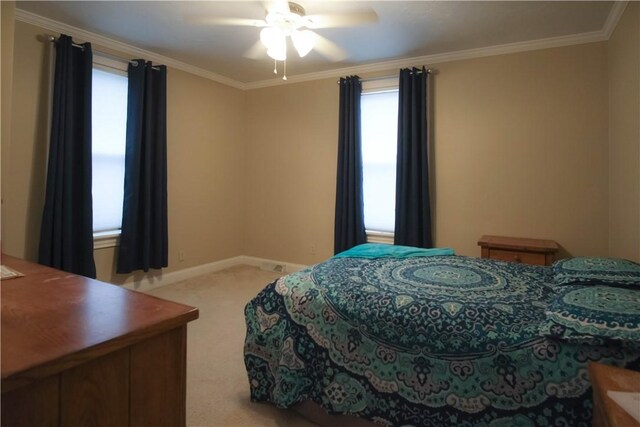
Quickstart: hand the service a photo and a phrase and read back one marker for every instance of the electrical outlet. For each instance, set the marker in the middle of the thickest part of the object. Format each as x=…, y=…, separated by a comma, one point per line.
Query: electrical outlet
x=312, y=249
x=180, y=256
x=276, y=268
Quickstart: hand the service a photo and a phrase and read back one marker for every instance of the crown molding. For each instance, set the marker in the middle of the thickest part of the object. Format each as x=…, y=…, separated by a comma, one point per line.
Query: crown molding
x=574, y=39
x=106, y=42
x=614, y=17
x=552, y=42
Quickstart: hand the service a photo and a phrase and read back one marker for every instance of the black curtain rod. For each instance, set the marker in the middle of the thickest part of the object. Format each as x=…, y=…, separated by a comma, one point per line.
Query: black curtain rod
x=134, y=63
x=428, y=70
x=54, y=39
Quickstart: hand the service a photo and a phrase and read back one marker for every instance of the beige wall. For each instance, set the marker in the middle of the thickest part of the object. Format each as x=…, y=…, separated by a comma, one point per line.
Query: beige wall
x=205, y=148
x=520, y=150
x=291, y=171
x=7, y=14
x=624, y=136
x=25, y=153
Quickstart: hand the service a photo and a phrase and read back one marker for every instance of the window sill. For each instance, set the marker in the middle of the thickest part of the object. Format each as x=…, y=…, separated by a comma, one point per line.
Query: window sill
x=379, y=237
x=106, y=239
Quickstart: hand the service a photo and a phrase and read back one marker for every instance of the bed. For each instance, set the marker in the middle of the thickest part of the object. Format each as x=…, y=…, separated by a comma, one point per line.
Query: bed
x=409, y=337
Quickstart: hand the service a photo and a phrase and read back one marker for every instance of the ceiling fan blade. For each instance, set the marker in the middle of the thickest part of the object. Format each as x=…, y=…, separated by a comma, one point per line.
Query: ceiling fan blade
x=329, y=49
x=257, y=51
x=347, y=19
x=225, y=21
x=303, y=41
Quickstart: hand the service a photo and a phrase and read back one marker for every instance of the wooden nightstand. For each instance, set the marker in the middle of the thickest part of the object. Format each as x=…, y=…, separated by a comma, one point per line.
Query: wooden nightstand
x=606, y=412
x=516, y=249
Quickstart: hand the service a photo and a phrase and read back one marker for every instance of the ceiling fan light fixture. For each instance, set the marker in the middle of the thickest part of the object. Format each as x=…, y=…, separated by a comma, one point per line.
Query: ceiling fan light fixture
x=275, y=41
x=281, y=25
x=303, y=41
x=277, y=54
x=270, y=36
x=278, y=50
x=285, y=19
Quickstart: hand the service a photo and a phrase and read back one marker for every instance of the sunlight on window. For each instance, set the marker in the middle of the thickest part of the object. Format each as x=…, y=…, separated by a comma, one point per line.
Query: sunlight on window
x=109, y=123
x=379, y=146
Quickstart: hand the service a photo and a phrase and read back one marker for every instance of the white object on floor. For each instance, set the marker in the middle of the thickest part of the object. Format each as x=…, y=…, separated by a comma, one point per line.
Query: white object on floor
x=630, y=402
x=10, y=273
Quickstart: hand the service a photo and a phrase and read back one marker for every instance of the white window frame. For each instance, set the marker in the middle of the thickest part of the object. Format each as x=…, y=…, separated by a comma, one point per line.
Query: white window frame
x=387, y=84
x=108, y=238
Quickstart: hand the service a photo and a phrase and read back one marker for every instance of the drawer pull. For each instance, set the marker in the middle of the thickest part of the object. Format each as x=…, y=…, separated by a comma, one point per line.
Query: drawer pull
x=516, y=258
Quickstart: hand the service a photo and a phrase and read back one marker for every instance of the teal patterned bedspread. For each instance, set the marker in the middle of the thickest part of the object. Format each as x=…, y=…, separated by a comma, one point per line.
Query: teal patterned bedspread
x=421, y=341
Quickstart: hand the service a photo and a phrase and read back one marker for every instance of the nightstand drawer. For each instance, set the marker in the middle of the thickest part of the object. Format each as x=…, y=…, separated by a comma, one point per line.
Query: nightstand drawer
x=520, y=257
x=518, y=249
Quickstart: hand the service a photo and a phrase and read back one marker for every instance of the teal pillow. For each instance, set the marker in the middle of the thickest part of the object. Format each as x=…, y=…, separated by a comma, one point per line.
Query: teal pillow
x=594, y=314
x=593, y=270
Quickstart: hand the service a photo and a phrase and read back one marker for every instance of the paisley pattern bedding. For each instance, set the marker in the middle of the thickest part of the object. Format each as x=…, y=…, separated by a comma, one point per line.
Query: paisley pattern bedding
x=594, y=313
x=422, y=341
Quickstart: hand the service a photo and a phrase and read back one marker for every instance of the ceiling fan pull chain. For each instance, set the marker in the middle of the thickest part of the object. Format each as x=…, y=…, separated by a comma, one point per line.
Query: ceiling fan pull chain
x=284, y=72
x=275, y=66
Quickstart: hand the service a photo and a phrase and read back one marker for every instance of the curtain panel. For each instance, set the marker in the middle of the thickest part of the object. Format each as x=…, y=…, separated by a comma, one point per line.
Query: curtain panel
x=66, y=232
x=413, y=206
x=349, y=213
x=144, y=235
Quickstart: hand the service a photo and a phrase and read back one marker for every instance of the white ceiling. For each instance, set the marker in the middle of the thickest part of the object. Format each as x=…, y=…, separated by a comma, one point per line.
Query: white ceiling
x=406, y=29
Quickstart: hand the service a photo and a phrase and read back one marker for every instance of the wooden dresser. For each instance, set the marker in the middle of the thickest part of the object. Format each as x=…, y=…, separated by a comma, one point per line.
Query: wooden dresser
x=606, y=412
x=79, y=352
x=517, y=249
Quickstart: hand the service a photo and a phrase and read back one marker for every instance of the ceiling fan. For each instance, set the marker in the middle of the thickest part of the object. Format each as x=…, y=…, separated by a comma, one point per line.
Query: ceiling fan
x=288, y=20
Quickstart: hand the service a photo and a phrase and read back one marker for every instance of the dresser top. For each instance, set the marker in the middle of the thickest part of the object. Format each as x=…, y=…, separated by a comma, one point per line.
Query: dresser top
x=52, y=319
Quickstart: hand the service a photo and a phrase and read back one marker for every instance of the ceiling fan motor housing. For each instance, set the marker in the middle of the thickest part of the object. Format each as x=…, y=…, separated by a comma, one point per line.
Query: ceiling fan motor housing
x=296, y=8
x=287, y=21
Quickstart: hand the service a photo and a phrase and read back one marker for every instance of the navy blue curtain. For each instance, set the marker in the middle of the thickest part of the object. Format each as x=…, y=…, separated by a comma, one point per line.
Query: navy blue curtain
x=143, y=240
x=349, y=217
x=66, y=232
x=413, y=207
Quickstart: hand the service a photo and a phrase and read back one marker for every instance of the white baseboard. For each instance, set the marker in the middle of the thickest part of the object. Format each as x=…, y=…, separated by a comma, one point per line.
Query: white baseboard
x=149, y=282
x=259, y=262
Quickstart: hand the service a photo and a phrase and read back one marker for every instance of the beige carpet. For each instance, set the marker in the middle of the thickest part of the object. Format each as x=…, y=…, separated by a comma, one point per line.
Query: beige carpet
x=217, y=385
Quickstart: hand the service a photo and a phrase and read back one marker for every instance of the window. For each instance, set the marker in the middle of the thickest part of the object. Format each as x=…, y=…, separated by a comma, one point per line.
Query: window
x=109, y=123
x=379, y=115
